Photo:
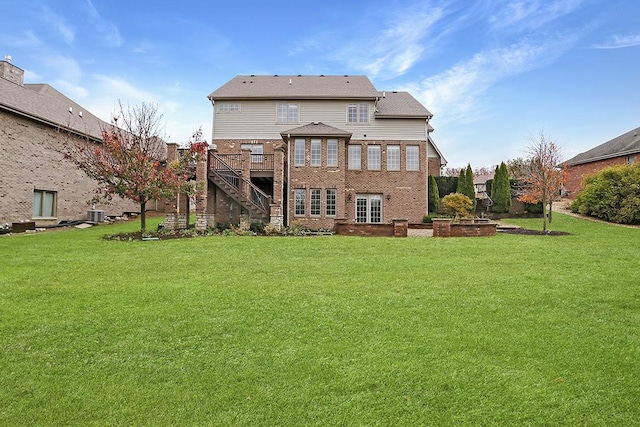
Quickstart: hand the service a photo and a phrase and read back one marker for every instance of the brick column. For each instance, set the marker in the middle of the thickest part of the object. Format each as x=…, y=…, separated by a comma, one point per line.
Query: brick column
x=202, y=181
x=400, y=227
x=442, y=227
x=171, y=205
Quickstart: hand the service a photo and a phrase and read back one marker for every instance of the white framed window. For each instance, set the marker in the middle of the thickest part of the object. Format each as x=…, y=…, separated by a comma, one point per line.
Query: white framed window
x=369, y=208
x=332, y=152
x=355, y=156
x=288, y=113
x=44, y=203
x=299, y=154
x=358, y=113
x=300, y=201
x=413, y=158
x=314, y=208
x=228, y=107
x=393, y=157
x=330, y=202
x=373, y=157
x=631, y=159
x=316, y=152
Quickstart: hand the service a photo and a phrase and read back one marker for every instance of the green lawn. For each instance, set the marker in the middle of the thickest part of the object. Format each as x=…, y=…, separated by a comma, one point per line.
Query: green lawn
x=347, y=331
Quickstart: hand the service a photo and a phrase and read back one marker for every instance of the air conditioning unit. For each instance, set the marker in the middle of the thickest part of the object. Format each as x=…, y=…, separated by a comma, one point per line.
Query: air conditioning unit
x=95, y=216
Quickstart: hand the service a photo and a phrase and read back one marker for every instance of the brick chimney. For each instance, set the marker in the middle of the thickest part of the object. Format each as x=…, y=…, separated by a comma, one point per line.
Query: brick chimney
x=10, y=72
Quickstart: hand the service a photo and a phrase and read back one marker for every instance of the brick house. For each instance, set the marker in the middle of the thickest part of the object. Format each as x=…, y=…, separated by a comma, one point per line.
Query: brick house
x=316, y=149
x=36, y=182
x=621, y=150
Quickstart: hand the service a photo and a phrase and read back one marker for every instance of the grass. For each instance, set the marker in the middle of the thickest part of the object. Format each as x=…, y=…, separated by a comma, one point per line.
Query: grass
x=516, y=330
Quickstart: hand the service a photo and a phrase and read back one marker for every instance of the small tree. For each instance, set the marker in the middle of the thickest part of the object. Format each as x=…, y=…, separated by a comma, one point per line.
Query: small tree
x=129, y=162
x=457, y=205
x=434, y=195
x=501, y=190
x=543, y=178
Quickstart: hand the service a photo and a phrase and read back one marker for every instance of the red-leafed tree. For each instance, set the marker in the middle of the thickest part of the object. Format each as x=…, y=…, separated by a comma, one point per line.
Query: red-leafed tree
x=543, y=179
x=130, y=161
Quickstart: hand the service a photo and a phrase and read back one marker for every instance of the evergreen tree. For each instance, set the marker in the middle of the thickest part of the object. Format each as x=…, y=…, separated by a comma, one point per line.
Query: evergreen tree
x=434, y=195
x=501, y=190
x=470, y=187
x=461, y=181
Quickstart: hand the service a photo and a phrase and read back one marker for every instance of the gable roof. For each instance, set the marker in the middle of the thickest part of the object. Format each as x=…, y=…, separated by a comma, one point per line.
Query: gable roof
x=625, y=144
x=316, y=129
x=400, y=104
x=45, y=104
x=296, y=87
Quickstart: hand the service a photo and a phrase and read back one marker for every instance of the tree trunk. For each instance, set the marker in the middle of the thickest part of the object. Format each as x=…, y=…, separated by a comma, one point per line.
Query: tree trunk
x=143, y=216
x=550, y=211
x=544, y=215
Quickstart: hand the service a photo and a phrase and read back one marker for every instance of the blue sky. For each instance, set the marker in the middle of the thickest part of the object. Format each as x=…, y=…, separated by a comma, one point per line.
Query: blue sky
x=492, y=72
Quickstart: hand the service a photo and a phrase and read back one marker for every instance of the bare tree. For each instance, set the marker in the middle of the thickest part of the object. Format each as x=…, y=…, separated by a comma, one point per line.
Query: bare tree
x=543, y=178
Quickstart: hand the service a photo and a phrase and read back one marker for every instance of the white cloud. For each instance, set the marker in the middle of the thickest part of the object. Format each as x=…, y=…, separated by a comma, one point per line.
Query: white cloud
x=59, y=24
x=455, y=93
x=107, y=30
x=532, y=14
x=618, y=42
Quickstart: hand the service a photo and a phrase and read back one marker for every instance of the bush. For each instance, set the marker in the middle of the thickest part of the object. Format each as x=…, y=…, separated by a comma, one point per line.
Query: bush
x=434, y=195
x=613, y=194
x=446, y=184
x=257, y=227
x=457, y=205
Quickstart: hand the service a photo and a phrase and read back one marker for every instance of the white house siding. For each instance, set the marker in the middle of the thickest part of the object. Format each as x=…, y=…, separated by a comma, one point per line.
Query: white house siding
x=257, y=120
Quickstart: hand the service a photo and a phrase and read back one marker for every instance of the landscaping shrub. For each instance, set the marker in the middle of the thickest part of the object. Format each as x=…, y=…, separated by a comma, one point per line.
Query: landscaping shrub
x=613, y=194
x=457, y=205
x=434, y=195
x=257, y=227
x=446, y=184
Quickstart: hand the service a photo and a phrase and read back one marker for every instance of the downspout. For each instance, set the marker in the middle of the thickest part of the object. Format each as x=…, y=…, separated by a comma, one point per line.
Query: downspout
x=426, y=133
x=213, y=119
x=288, y=177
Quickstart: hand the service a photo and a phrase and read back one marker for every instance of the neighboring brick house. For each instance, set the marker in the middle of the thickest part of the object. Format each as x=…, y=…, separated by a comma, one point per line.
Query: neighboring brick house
x=624, y=149
x=36, y=182
x=316, y=149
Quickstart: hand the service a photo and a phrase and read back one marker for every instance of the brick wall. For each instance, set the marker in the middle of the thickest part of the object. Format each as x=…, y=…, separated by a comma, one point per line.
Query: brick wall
x=404, y=193
x=575, y=175
x=469, y=228
x=30, y=161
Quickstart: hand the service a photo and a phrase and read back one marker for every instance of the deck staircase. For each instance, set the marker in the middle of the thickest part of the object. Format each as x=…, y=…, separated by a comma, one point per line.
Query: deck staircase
x=239, y=188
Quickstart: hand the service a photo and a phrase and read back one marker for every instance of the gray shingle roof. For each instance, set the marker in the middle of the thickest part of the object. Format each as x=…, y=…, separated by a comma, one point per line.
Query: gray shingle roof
x=316, y=129
x=43, y=103
x=623, y=145
x=296, y=87
x=400, y=104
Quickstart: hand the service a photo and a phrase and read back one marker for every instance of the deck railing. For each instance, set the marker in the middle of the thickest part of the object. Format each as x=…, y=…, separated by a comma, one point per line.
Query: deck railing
x=259, y=162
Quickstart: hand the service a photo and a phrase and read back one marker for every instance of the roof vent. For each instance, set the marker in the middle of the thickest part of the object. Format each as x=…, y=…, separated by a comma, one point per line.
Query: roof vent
x=289, y=81
x=80, y=113
x=384, y=94
x=8, y=58
x=316, y=123
x=70, y=110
